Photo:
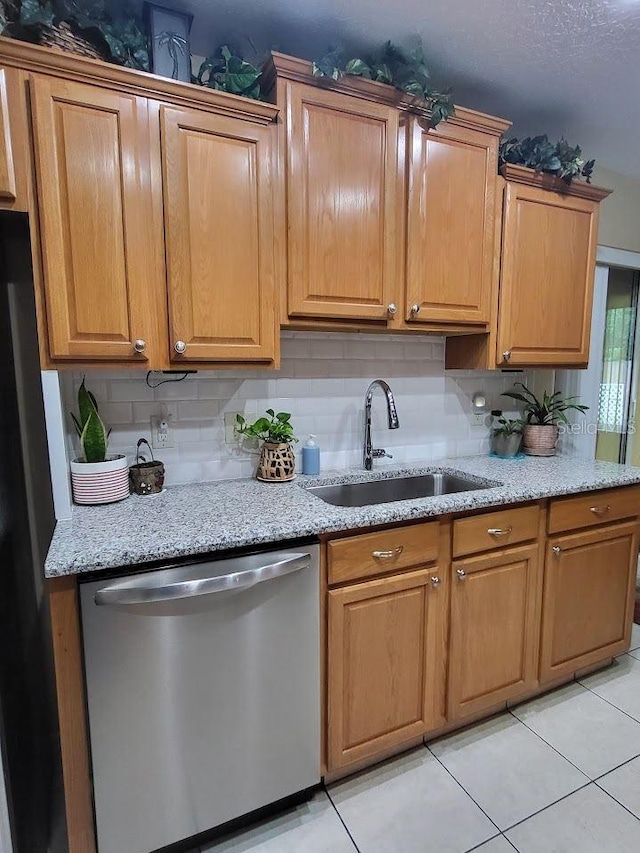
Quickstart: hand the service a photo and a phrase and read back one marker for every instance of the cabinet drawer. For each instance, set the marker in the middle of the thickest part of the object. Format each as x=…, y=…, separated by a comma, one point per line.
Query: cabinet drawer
x=385, y=551
x=495, y=530
x=594, y=508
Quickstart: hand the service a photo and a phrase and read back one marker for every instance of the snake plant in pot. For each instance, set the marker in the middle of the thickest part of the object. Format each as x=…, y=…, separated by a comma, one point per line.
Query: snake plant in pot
x=542, y=417
x=96, y=478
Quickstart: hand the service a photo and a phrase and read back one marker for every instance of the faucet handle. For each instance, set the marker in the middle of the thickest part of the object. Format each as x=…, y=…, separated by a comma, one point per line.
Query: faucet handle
x=379, y=453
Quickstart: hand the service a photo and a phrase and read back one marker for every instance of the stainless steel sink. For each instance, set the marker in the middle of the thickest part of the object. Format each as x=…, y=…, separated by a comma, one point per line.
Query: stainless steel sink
x=396, y=489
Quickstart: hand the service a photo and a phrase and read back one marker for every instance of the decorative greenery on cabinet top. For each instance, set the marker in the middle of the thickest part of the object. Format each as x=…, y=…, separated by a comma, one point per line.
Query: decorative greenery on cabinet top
x=404, y=69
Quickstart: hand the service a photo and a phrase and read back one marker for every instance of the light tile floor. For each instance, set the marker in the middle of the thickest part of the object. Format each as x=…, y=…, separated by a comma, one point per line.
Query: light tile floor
x=558, y=774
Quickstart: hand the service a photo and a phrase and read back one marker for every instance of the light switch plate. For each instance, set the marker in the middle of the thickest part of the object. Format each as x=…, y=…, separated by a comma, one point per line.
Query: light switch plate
x=230, y=434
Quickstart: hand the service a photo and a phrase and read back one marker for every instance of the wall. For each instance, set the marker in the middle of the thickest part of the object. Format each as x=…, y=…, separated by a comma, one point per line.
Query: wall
x=620, y=212
x=322, y=382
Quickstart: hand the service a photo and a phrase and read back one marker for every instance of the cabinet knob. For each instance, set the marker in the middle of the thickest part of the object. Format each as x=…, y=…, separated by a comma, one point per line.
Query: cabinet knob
x=388, y=555
x=600, y=510
x=392, y=309
x=556, y=550
x=461, y=574
x=415, y=310
x=500, y=531
x=139, y=345
x=435, y=580
x=180, y=347
x=506, y=355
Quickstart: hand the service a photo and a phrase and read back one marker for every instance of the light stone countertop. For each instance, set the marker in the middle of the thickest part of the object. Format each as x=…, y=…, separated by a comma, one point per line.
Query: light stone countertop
x=217, y=516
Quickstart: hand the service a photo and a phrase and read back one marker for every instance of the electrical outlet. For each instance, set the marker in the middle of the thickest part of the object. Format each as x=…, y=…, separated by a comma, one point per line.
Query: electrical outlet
x=477, y=419
x=161, y=433
x=230, y=434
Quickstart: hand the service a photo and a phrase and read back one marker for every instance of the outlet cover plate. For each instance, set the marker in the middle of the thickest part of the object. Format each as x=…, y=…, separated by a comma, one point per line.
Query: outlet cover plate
x=161, y=438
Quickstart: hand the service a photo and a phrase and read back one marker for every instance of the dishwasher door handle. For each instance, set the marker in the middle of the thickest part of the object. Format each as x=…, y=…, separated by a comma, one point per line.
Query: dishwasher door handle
x=147, y=590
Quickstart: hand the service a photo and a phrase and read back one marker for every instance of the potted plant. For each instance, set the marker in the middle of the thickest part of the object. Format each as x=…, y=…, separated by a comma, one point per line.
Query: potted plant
x=95, y=477
x=506, y=436
x=277, y=459
x=540, y=433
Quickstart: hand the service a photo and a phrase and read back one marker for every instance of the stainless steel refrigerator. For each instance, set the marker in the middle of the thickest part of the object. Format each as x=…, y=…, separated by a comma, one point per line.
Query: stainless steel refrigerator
x=30, y=787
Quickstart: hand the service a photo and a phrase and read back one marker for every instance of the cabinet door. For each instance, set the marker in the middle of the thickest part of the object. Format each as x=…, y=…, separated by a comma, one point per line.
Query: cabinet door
x=100, y=280
x=342, y=204
x=588, y=598
x=7, y=172
x=495, y=609
x=451, y=222
x=546, y=287
x=218, y=193
x=385, y=664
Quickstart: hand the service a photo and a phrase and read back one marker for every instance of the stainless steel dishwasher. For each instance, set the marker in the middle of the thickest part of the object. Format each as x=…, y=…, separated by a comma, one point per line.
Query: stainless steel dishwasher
x=203, y=691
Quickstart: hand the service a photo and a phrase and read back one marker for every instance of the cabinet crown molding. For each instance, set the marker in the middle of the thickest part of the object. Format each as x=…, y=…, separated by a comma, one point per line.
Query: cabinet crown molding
x=80, y=69
x=545, y=181
x=280, y=65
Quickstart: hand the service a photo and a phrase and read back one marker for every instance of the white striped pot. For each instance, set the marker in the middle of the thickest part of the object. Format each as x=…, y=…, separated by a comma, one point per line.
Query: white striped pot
x=100, y=482
x=540, y=439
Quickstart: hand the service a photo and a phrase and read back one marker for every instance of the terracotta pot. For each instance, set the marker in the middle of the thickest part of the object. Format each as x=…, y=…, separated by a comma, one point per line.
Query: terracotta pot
x=277, y=462
x=540, y=439
x=506, y=446
x=100, y=482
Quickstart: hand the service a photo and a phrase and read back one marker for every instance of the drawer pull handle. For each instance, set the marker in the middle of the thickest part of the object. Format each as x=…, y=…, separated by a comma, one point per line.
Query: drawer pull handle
x=600, y=510
x=557, y=550
x=500, y=531
x=435, y=580
x=461, y=574
x=388, y=555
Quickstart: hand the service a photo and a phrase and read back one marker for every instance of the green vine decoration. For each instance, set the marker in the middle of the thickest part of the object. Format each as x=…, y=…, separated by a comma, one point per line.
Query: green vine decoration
x=122, y=39
x=536, y=152
x=406, y=70
x=228, y=72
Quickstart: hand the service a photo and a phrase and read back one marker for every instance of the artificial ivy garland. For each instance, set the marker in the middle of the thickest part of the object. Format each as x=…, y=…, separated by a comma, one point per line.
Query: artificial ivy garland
x=536, y=152
x=406, y=70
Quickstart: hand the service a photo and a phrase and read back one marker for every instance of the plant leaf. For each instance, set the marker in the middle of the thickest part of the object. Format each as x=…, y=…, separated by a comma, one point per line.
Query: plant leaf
x=94, y=439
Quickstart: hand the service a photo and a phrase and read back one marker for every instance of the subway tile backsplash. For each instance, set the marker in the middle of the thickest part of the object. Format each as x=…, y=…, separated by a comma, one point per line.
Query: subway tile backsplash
x=322, y=383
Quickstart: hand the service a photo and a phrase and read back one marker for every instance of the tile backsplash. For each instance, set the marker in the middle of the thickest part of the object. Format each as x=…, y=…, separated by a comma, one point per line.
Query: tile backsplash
x=322, y=382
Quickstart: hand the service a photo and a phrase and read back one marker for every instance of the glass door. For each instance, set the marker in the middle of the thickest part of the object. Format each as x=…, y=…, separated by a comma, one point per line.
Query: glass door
x=619, y=376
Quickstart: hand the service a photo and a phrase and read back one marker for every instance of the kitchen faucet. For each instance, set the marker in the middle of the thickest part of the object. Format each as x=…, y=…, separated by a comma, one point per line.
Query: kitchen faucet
x=370, y=453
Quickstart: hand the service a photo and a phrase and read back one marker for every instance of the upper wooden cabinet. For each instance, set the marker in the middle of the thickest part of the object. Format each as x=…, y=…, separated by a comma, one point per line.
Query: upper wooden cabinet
x=218, y=214
x=388, y=223
x=452, y=178
x=548, y=264
x=14, y=147
x=342, y=198
x=95, y=208
x=7, y=170
x=542, y=311
x=128, y=165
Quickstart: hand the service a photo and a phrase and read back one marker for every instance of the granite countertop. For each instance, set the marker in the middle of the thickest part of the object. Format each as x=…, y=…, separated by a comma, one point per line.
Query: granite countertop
x=196, y=519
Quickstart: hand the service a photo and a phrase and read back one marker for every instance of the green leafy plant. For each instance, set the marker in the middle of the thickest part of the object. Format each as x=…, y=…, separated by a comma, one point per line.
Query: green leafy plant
x=536, y=152
x=549, y=410
x=406, y=70
x=275, y=428
x=90, y=427
x=228, y=72
x=121, y=39
x=507, y=426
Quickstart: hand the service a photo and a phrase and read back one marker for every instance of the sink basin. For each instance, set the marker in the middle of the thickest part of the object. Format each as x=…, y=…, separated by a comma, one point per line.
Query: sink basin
x=395, y=489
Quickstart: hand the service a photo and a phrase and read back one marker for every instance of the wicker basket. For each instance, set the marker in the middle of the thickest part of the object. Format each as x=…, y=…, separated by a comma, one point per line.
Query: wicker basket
x=63, y=36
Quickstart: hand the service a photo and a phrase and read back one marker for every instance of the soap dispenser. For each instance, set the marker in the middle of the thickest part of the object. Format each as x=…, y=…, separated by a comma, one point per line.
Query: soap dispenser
x=311, y=457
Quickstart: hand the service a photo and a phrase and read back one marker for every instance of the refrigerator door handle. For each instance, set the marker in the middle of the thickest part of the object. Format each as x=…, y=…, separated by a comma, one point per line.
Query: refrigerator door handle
x=146, y=590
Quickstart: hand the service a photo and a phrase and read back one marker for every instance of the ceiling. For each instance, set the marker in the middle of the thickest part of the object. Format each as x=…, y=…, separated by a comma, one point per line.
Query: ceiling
x=565, y=67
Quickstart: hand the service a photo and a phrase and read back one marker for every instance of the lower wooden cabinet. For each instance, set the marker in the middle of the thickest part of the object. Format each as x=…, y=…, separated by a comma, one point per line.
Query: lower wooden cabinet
x=386, y=676
x=588, y=597
x=495, y=613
